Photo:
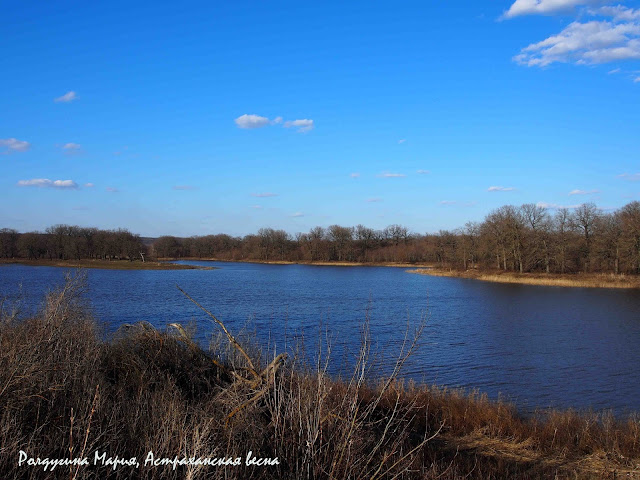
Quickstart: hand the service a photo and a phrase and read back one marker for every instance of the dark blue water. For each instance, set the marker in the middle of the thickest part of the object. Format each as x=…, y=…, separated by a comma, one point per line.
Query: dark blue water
x=536, y=346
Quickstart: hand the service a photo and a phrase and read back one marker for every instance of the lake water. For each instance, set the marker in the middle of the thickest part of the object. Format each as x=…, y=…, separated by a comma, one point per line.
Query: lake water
x=536, y=346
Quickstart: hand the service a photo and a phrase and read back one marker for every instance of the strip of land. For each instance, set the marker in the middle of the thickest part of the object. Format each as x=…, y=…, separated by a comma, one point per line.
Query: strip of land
x=304, y=262
x=588, y=280
x=103, y=264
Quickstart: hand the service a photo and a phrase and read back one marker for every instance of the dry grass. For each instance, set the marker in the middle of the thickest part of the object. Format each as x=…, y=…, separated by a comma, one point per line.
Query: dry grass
x=65, y=392
x=103, y=264
x=592, y=280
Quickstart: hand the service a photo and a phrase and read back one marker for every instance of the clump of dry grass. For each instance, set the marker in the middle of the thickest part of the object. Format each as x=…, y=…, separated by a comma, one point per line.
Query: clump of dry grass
x=65, y=393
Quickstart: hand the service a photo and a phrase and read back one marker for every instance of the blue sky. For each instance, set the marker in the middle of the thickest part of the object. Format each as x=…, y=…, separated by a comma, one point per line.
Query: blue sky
x=208, y=117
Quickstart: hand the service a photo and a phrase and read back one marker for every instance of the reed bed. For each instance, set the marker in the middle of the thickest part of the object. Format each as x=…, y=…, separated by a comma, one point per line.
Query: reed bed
x=67, y=393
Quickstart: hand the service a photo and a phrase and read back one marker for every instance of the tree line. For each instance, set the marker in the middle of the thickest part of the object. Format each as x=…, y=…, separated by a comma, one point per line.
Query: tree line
x=67, y=242
x=528, y=238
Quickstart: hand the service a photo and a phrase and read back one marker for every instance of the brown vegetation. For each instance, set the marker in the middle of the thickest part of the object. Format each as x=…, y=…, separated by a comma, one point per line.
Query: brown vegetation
x=65, y=393
x=103, y=264
x=584, y=280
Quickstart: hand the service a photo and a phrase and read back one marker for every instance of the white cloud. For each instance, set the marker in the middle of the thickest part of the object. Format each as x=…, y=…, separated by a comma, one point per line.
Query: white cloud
x=636, y=80
x=448, y=202
x=277, y=120
x=14, y=145
x=632, y=177
x=373, y=200
x=615, y=70
x=423, y=172
x=553, y=206
x=67, y=97
x=303, y=125
x=588, y=43
x=184, y=187
x=543, y=7
x=89, y=185
x=112, y=190
x=402, y=140
x=251, y=121
x=583, y=192
x=45, y=182
x=355, y=175
x=500, y=189
x=297, y=214
x=391, y=175
x=71, y=146
x=264, y=195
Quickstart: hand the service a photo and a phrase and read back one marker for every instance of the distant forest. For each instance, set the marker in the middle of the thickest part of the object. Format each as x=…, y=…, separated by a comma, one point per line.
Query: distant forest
x=522, y=239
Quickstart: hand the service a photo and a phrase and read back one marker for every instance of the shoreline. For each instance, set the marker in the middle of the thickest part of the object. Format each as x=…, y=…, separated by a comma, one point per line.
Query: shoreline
x=579, y=280
x=102, y=264
x=304, y=262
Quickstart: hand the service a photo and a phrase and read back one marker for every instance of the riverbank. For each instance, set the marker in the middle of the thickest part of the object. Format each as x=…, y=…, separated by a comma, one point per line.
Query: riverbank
x=301, y=262
x=102, y=264
x=583, y=280
x=67, y=393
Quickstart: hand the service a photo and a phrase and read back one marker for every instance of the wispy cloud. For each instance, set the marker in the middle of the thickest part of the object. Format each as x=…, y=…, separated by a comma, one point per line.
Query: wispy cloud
x=277, y=121
x=184, y=187
x=423, y=172
x=500, y=189
x=355, y=175
x=14, y=145
x=391, y=175
x=614, y=71
x=297, y=214
x=112, y=190
x=250, y=121
x=583, y=192
x=71, y=146
x=46, y=183
x=636, y=80
x=302, y=125
x=264, y=195
x=553, y=206
x=543, y=7
x=67, y=97
x=614, y=36
x=632, y=177
x=89, y=185
x=373, y=200
x=402, y=140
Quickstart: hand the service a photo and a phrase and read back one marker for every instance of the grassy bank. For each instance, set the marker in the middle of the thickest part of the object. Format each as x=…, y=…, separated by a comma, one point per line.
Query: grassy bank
x=67, y=393
x=320, y=264
x=103, y=264
x=592, y=280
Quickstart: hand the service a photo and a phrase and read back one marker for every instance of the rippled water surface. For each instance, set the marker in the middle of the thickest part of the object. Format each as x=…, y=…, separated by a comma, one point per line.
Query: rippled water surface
x=537, y=346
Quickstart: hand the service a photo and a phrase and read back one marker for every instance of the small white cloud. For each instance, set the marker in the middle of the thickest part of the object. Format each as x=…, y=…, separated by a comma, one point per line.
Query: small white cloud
x=112, y=190
x=553, y=206
x=264, y=195
x=303, y=125
x=14, y=145
x=423, y=172
x=402, y=140
x=543, y=7
x=583, y=192
x=632, y=177
x=71, y=146
x=448, y=202
x=500, y=189
x=355, y=175
x=46, y=183
x=391, y=175
x=615, y=70
x=277, y=120
x=251, y=121
x=184, y=187
x=67, y=97
x=297, y=214
x=636, y=80
x=89, y=185
x=373, y=200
